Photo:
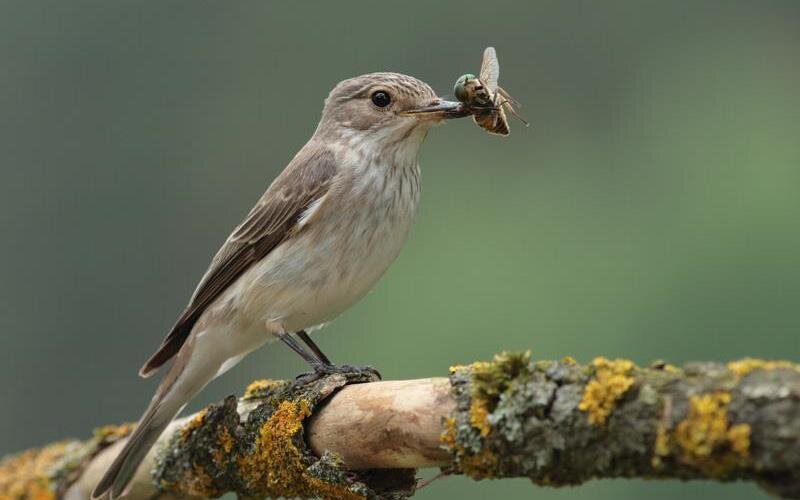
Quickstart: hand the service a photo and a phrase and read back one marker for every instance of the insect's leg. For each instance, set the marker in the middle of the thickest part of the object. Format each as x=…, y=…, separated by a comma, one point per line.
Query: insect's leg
x=508, y=97
x=510, y=108
x=517, y=116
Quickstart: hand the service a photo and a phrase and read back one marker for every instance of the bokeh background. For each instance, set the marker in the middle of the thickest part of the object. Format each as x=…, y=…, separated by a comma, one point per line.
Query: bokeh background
x=652, y=210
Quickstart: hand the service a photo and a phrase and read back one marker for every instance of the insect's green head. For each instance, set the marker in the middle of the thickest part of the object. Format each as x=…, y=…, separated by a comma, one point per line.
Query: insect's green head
x=460, y=88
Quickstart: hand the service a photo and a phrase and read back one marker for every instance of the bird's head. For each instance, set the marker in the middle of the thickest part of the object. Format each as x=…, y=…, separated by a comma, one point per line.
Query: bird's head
x=384, y=109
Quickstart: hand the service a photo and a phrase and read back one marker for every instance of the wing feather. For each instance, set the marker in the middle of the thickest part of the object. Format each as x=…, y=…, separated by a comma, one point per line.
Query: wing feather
x=271, y=221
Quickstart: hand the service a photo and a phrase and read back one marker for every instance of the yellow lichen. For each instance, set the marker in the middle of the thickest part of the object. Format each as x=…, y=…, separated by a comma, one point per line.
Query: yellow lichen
x=479, y=417
x=569, y=360
x=198, y=483
x=739, y=439
x=671, y=368
x=112, y=433
x=489, y=380
x=27, y=475
x=275, y=467
x=744, y=366
x=448, y=437
x=195, y=423
x=481, y=465
x=223, y=451
x=661, y=447
x=611, y=381
x=258, y=387
x=276, y=461
x=706, y=440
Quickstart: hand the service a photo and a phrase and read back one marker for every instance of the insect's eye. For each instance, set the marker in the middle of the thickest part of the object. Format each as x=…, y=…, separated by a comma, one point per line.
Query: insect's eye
x=460, y=88
x=381, y=98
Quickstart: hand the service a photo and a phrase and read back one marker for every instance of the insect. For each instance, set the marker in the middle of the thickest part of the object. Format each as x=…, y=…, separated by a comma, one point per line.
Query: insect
x=487, y=101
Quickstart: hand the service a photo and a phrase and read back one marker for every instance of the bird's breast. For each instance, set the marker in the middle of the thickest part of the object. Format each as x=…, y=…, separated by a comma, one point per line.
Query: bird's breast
x=342, y=250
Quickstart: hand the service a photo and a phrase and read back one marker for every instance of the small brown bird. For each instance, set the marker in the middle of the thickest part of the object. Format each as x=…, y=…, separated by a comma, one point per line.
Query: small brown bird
x=316, y=242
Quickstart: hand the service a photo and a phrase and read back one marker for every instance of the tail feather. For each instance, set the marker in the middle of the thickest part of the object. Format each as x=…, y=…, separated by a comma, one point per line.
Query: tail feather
x=187, y=376
x=196, y=364
x=122, y=470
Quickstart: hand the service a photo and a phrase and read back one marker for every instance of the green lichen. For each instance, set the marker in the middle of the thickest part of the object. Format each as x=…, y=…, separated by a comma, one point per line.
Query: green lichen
x=466, y=435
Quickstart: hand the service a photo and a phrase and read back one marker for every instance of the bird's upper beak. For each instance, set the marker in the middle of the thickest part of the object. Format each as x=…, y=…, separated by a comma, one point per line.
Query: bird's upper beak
x=439, y=109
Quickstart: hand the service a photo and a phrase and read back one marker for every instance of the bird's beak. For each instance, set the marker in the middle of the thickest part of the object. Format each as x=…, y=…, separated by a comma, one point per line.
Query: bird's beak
x=439, y=109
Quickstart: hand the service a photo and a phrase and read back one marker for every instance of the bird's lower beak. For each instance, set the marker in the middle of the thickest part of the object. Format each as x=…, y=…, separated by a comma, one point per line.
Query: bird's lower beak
x=439, y=109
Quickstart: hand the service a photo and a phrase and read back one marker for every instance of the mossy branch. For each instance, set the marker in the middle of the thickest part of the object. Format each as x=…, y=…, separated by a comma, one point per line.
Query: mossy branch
x=555, y=422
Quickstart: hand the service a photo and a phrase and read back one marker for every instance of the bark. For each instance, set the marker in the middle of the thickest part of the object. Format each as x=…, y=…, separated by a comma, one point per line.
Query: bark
x=555, y=422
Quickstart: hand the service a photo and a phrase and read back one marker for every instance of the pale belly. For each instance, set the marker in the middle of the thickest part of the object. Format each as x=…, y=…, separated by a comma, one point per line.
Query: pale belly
x=310, y=283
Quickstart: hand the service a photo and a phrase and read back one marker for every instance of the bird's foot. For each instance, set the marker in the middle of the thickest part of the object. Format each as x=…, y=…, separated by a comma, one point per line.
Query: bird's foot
x=354, y=373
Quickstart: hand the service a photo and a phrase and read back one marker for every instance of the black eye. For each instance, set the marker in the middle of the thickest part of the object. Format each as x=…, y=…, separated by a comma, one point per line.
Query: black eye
x=381, y=99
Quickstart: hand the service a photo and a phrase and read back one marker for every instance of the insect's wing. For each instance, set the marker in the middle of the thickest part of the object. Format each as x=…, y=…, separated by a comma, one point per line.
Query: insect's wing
x=490, y=69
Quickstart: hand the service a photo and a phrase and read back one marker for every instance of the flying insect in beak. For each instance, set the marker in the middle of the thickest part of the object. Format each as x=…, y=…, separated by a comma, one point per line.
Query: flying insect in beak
x=487, y=101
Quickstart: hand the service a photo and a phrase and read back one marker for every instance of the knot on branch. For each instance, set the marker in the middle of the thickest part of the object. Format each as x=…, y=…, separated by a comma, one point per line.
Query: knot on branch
x=266, y=454
x=560, y=423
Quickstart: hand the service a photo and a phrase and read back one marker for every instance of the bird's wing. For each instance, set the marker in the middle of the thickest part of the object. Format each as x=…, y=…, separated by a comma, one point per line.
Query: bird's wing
x=490, y=69
x=273, y=219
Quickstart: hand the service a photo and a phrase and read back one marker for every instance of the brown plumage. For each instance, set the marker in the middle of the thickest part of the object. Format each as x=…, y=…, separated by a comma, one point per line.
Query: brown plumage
x=270, y=221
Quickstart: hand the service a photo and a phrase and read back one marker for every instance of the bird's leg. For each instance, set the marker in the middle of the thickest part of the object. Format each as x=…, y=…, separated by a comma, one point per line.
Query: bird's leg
x=319, y=362
x=310, y=358
x=314, y=348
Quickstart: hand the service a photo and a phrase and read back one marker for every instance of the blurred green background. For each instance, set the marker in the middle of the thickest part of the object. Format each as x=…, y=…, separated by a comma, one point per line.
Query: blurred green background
x=651, y=211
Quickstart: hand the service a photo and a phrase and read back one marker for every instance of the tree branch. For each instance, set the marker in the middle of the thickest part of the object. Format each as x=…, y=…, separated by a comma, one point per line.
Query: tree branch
x=555, y=422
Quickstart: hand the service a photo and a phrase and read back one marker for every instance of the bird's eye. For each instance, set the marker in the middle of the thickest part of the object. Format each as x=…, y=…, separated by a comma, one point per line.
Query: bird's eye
x=381, y=99
x=460, y=88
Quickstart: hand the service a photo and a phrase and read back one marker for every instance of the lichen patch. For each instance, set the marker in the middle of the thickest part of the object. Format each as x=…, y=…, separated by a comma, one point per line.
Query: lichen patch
x=29, y=475
x=706, y=439
x=276, y=466
x=258, y=388
x=611, y=381
x=744, y=366
x=468, y=435
x=113, y=433
x=275, y=463
x=195, y=423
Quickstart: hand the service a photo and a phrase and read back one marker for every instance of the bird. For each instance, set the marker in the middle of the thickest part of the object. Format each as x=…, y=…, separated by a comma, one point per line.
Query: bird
x=320, y=237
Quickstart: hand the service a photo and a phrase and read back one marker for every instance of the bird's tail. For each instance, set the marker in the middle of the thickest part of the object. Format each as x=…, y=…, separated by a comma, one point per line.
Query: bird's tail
x=147, y=432
x=184, y=380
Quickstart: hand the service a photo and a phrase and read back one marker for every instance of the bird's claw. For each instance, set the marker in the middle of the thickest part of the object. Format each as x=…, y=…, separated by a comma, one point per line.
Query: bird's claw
x=349, y=371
